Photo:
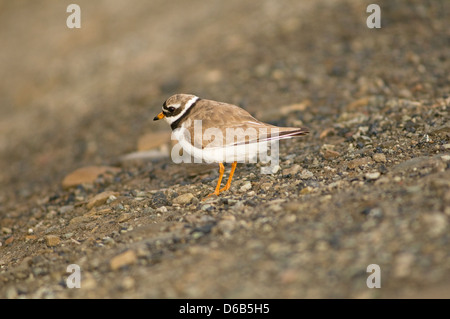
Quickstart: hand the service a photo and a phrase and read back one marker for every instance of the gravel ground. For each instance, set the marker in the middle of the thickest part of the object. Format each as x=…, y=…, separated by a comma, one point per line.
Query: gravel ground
x=369, y=185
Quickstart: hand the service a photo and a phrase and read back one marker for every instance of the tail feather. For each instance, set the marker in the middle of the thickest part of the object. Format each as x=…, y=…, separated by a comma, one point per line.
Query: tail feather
x=278, y=135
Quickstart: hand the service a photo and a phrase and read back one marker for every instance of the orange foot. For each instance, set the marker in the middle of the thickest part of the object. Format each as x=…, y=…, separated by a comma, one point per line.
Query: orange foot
x=227, y=186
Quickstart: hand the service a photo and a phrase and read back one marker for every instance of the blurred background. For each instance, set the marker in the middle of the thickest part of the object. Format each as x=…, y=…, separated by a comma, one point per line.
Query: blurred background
x=74, y=97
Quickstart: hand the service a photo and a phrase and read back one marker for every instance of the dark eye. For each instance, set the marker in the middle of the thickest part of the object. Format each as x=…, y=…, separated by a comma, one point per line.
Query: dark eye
x=171, y=109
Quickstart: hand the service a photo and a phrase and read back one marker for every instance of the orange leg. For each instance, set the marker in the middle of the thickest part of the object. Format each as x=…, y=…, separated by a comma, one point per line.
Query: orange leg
x=221, y=171
x=227, y=186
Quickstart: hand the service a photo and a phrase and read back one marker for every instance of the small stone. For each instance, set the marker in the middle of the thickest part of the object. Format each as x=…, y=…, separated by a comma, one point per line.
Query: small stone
x=358, y=103
x=108, y=240
x=329, y=154
x=294, y=107
x=246, y=187
x=86, y=175
x=359, y=162
x=159, y=199
x=305, y=174
x=275, y=169
x=124, y=217
x=306, y=190
x=9, y=240
x=6, y=230
x=197, y=234
x=207, y=207
x=52, y=240
x=111, y=199
x=292, y=170
x=100, y=199
x=326, y=132
x=79, y=219
x=379, y=158
x=124, y=259
x=446, y=146
x=373, y=175
x=327, y=147
x=162, y=209
x=183, y=199
x=266, y=186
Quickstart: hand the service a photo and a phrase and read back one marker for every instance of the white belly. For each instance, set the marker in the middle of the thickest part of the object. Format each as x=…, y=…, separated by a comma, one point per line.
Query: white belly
x=243, y=153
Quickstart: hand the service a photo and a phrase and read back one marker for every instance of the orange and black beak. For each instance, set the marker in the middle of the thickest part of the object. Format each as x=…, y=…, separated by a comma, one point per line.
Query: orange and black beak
x=159, y=116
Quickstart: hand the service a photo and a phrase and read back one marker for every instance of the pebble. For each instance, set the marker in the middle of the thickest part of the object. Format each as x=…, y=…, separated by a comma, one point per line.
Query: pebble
x=379, y=158
x=124, y=217
x=246, y=187
x=86, y=174
x=373, y=175
x=9, y=240
x=162, y=209
x=330, y=154
x=305, y=174
x=292, y=170
x=108, y=240
x=6, y=230
x=124, y=259
x=326, y=132
x=359, y=162
x=159, y=199
x=207, y=207
x=183, y=199
x=52, y=240
x=100, y=199
x=306, y=190
x=358, y=103
x=275, y=169
x=111, y=199
x=266, y=186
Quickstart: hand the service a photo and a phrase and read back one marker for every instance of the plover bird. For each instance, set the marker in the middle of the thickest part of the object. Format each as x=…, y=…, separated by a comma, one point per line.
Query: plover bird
x=211, y=131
